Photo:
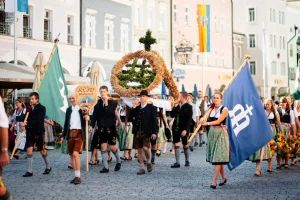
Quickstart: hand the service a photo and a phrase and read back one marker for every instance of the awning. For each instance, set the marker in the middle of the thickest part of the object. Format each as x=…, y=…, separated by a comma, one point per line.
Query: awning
x=18, y=77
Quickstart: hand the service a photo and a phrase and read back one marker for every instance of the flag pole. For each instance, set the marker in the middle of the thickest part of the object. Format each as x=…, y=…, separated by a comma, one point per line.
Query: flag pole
x=208, y=112
x=15, y=32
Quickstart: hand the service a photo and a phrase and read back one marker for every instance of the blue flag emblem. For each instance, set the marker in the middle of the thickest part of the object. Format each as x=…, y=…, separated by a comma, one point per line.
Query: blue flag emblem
x=248, y=126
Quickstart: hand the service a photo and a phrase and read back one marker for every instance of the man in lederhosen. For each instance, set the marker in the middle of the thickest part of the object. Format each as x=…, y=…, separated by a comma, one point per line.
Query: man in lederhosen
x=74, y=132
x=183, y=117
x=105, y=114
x=35, y=133
x=145, y=129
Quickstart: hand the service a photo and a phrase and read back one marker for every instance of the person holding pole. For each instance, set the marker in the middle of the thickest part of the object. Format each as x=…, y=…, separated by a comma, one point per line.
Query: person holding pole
x=105, y=114
x=74, y=132
x=217, y=151
x=4, y=160
x=35, y=133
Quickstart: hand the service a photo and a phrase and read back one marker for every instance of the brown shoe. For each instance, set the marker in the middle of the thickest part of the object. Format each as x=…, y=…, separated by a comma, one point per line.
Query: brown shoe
x=149, y=167
x=141, y=172
x=77, y=180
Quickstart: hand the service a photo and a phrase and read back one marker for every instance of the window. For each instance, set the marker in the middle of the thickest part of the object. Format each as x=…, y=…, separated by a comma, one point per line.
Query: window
x=283, y=18
x=47, y=22
x=138, y=16
x=175, y=14
x=216, y=28
x=283, y=43
x=162, y=20
x=253, y=67
x=271, y=40
x=274, y=68
x=274, y=41
x=222, y=24
x=239, y=52
x=109, y=32
x=124, y=35
x=234, y=51
x=291, y=50
x=292, y=73
x=90, y=28
x=150, y=16
x=223, y=59
x=252, y=41
x=280, y=42
x=251, y=15
x=274, y=16
x=271, y=17
x=216, y=58
x=186, y=16
x=229, y=28
x=282, y=68
x=70, y=29
x=27, y=24
x=279, y=17
x=198, y=60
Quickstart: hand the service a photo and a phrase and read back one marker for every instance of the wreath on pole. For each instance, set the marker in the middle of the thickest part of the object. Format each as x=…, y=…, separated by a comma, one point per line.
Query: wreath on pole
x=142, y=70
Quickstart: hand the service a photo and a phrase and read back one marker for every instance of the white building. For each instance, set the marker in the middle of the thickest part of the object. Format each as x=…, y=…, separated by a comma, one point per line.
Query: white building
x=37, y=29
x=250, y=18
x=153, y=15
x=292, y=20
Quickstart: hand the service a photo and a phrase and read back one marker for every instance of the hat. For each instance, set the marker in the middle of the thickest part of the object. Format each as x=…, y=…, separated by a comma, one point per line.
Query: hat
x=144, y=92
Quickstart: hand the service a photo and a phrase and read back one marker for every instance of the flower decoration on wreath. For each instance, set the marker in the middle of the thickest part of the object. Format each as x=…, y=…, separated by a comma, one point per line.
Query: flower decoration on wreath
x=142, y=70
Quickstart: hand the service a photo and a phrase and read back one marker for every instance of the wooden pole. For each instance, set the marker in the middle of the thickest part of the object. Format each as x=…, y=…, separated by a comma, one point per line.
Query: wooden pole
x=19, y=138
x=87, y=144
x=208, y=112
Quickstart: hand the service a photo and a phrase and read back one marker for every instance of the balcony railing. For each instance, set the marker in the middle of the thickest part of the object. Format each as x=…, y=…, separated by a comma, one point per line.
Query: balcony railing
x=70, y=39
x=27, y=32
x=47, y=35
x=4, y=29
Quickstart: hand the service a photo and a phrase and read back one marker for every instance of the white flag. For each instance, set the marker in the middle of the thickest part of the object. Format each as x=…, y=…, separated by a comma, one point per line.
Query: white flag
x=266, y=60
x=10, y=5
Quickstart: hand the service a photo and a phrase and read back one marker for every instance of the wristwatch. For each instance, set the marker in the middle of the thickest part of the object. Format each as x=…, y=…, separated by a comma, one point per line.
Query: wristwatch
x=3, y=150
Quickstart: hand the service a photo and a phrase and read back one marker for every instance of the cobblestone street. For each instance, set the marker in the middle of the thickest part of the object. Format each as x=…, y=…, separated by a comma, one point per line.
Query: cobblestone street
x=162, y=183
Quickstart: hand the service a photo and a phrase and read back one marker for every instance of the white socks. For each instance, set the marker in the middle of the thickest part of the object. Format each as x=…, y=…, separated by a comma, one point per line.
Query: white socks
x=77, y=173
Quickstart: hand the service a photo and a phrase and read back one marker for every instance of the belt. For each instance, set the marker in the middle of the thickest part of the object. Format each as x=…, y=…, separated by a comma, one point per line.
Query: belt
x=75, y=129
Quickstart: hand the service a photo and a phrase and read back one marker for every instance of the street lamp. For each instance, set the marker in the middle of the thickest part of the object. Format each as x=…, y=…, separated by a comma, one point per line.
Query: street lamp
x=184, y=51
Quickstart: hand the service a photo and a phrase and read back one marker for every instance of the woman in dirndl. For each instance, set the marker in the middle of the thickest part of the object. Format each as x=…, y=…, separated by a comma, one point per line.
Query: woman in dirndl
x=287, y=118
x=265, y=153
x=297, y=119
x=19, y=116
x=217, y=151
x=128, y=143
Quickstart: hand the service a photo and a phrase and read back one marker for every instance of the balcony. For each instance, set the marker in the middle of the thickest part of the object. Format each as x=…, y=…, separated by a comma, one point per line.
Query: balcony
x=27, y=32
x=47, y=35
x=70, y=39
x=4, y=29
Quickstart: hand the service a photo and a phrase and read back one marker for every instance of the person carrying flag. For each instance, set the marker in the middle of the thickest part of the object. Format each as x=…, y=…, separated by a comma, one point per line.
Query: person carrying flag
x=217, y=151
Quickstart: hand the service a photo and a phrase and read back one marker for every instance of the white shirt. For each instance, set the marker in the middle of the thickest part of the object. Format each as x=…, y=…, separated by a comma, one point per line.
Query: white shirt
x=198, y=104
x=143, y=106
x=217, y=113
x=3, y=116
x=271, y=115
x=196, y=111
x=75, y=122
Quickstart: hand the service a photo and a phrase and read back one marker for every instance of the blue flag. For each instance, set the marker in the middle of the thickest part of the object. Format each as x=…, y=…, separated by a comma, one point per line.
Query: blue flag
x=248, y=126
x=23, y=5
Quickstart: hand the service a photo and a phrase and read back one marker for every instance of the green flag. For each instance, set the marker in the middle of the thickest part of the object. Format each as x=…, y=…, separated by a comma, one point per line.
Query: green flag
x=53, y=90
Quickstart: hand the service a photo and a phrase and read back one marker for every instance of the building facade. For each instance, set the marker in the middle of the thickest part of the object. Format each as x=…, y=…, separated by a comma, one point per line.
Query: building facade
x=37, y=29
x=256, y=19
x=106, y=33
x=216, y=65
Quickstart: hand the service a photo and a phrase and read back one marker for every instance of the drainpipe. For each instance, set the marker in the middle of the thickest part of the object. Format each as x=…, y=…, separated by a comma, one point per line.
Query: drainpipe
x=80, y=38
x=287, y=53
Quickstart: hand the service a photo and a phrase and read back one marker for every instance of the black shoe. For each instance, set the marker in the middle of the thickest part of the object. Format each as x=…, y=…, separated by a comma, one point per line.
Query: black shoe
x=16, y=157
x=196, y=144
x=47, y=171
x=187, y=164
x=203, y=142
x=72, y=181
x=77, y=180
x=200, y=145
x=191, y=148
x=28, y=174
x=104, y=170
x=175, y=165
x=213, y=186
x=220, y=184
x=152, y=161
x=109, y=159
x=118, y=167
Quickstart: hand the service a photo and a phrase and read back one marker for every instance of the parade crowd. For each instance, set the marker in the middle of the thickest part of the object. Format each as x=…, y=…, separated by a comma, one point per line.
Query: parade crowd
x=146, y=130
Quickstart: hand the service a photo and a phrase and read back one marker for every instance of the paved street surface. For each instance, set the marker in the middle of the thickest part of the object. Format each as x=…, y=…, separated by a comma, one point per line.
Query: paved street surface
x=162, y=183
